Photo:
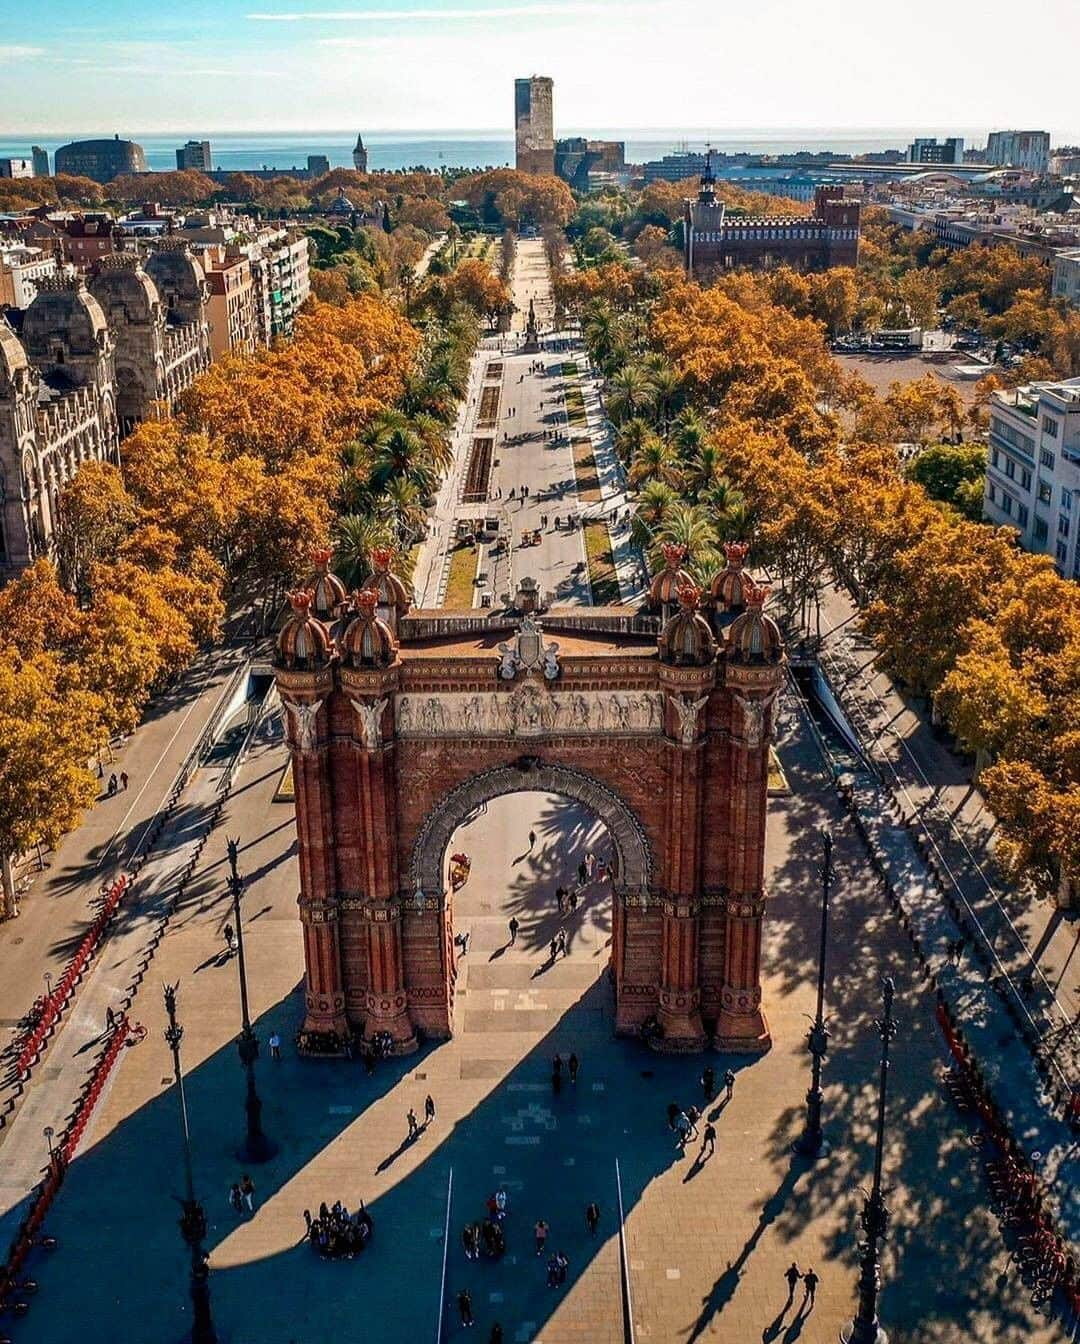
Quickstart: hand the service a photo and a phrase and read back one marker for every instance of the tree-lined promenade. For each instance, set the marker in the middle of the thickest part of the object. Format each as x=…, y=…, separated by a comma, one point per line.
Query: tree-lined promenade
x=721, y=399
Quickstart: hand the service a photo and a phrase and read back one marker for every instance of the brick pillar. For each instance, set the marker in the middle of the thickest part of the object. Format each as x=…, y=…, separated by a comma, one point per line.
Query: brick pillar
x=375, y=757
x=679, y=1007
x=741, y=1026
x=324, y=994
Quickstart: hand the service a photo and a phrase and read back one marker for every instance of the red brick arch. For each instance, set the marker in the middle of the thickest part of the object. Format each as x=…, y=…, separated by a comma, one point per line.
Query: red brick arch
x=392, y=750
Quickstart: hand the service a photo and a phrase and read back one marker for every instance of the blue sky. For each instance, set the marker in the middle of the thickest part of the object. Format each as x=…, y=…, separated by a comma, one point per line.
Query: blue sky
x=220, y=65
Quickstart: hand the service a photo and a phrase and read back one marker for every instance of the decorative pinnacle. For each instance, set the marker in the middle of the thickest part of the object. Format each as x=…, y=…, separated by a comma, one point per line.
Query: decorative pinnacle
x=367, y=599
x=320, y=558
x=674, y=554
x=755, y=594
x=689, y=594
x=736, y=553
x=300, y=600
x=381, y=558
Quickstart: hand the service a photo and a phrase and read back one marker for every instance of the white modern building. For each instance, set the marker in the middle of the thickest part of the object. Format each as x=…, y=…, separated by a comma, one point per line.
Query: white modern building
x=1019, y=149
x=21, y=267
x=1033, y=469
x=1066, y=284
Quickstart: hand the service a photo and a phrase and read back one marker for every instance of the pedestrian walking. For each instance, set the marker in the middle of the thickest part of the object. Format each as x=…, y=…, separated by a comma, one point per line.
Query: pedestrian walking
x=572, y=1065
x=307, y=1221
x=708, y=1139
x=560, y=898
x=414, y=1128
x=236, y=1198
x=462, y=941
x=672, y=1114
x=729, y=1084
x=470, y=1241
x=553, y=1271
x=590, y=862
x=562, y=943
x=532, y=839
x=708, y=1082
x=230, y=939
x=572, y=900
x=553, y=949
x=540, y=1235
x=810, y=1283
x=513, y=926
x=247, y=1189
x=583, y=872
x=592, y=1217
x=563, y=1263
x=429, y=1109
x=502, y=1203
x=793, y=1275
x=123, y=780
x=112, y=785
x=110, y=1019
x=275, y=1045
x=464, y=1303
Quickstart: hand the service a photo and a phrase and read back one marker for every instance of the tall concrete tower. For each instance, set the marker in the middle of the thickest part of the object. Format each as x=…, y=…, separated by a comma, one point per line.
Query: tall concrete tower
x=534, y=131
x=359, y=155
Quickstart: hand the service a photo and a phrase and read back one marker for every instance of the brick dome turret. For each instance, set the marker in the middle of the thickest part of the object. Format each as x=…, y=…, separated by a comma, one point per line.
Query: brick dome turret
x=394, y=599
x=304, y=643
x=368, y=641
x=664, y=589
x=728, y=591
x=687, y=638
x=754, y=637
x=328, y=593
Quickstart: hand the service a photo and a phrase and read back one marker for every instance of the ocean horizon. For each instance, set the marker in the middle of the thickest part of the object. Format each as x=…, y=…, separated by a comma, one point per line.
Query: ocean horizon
x=396, y=150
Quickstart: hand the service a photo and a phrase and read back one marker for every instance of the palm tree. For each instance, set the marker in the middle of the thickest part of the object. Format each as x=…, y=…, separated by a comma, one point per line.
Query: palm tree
x=689, y=525
x=737, y=523
x=630, y=436
x=402, y=506
x=689, y=431
x=653, y=503
x=668, y=395
x=655, y=460
x=631, y=393
x=354, y=535
x=401, y=451
x=704, y=472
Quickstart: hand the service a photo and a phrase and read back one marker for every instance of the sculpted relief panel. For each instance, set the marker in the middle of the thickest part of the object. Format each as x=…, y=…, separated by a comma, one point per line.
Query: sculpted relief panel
x=529, y=711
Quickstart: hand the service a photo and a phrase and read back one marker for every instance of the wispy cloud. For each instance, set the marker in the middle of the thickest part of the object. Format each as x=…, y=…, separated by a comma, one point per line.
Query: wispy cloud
x=13, y=52
x=428, y=15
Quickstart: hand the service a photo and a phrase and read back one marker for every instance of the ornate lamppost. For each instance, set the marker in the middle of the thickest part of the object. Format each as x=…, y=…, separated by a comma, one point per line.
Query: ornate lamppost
x=257, y=1147
x=865, y=1328
x=811, y=1142
x=192, y=1219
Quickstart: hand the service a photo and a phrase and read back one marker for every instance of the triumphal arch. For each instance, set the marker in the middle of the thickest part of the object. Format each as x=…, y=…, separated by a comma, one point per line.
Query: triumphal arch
x=402, y=722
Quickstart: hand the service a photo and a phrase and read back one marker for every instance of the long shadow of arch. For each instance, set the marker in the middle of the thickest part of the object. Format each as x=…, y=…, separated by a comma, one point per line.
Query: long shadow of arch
x=121, y=1263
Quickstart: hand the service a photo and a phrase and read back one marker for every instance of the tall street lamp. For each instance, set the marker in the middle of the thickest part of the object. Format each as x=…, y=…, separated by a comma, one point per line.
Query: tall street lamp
x=811, y=1142
x=865, y=1328
x=256, y=1147
x=192, y=1219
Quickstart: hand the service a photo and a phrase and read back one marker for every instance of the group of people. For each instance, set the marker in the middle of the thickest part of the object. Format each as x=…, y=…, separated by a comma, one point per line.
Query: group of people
x=115, y=786
x=488, y=1236
x=572, y=1066
x=336, y=1233
x=683, y=1121
x=242, y=1195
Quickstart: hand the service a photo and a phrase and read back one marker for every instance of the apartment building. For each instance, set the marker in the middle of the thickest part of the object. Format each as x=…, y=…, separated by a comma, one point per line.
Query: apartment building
x=1033, y=469
x=231, y=307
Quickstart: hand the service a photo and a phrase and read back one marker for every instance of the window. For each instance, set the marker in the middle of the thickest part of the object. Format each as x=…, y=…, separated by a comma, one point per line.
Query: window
x=1050, y=426
x=1040, y=530
x=1066, y=499
x=1046, y=494
x=1006, y=503
x=1063, y=524
x=995, y=457
x=1010, y=469
x=1012, y=436
x=1047, y=458
x=1025, y=478
x=1060, y=552
x=1021, y=515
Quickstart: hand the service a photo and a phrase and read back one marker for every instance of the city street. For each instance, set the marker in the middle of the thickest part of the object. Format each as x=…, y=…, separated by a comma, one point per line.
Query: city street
x=707, y=1241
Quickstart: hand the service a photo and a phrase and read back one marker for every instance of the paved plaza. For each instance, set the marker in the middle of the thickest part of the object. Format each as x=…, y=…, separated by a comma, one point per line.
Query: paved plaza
x=707, y=1240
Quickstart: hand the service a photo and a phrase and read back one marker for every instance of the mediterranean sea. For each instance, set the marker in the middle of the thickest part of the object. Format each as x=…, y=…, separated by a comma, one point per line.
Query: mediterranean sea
x=395, y=150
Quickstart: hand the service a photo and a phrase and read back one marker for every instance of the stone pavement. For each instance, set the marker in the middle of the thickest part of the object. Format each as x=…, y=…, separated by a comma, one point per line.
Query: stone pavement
x=931, y=781
x=708, y=1240
x=111, y=983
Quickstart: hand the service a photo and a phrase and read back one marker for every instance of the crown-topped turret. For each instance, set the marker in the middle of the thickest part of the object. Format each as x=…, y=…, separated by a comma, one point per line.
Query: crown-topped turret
x=328, y=593
x=394, y=599
x=664, y=589
x=304, y=643
x=753, y=637
x=687, y=639
x=368, y=641
x=728, y=590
